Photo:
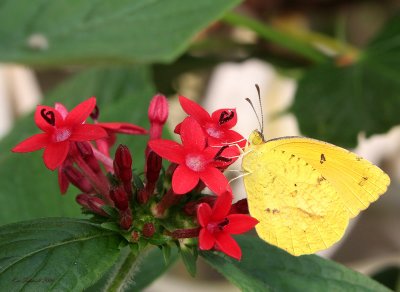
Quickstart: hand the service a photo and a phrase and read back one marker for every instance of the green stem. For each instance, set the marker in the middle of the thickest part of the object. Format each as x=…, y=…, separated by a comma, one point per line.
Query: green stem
x=125, y=273
x=302, y=42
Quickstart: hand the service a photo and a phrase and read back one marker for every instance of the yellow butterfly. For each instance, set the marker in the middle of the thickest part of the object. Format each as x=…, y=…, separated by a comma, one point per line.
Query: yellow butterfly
x=304, y=191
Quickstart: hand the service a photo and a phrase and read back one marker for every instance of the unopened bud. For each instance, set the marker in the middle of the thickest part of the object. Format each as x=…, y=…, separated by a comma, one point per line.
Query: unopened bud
x=95, y=205
x=82, y=200
x=190, y=208
x=153, y=167
x=77, y=179
x=158, y=114
x=135, y=236
x=148, y=229
x=125, y=220
x=158, y=109
x=63, y=181
x=86, y=151
x=120, y=198
x=95, y=113
x=123, y=166
x=240, y=207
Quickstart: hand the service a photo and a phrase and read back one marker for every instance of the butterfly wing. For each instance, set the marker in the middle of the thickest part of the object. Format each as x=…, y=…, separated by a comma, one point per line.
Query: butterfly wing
x=297, y=208
x=304, y=191
x=358, y=181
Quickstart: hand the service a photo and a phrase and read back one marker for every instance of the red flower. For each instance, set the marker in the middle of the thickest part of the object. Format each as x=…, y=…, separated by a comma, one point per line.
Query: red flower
x=59, y=130
x=217, y=225
x=217, y=126
x=196, y=160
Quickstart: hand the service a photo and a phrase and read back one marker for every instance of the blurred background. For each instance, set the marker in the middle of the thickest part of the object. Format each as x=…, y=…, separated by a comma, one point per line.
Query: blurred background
x=327, y=69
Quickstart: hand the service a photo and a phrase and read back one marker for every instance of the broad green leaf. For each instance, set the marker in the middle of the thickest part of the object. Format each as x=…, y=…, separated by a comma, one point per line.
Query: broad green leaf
x=336, y=103
x=57, y=254
x=134, y=274
x=52, y=33
x=27, y=188
x=267, y=268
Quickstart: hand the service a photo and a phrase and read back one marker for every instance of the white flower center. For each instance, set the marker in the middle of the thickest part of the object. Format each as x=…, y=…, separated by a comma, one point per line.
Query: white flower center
x=214, y=132
x=195, y=162
x=61, y=134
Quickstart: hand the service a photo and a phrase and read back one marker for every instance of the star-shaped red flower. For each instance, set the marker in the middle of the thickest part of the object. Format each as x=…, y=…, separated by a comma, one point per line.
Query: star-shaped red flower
x=217, y=225
x=60, y=129
x=217, y=126
x=196, y=160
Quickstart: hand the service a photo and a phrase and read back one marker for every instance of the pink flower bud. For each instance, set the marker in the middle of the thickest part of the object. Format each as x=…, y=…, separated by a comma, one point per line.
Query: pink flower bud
x=158, y=114
x=77, y=179
x=95, y=113
x=86, y=151
x=190, y=208
x=95, y=205
x=148, y=230
x=240, y=207
x=125, y=220
x=63, y=181
x=153, y=167
x=120, y=198
x=123, y=164
x=135, y=236
x=82, y=200
x=158, y=109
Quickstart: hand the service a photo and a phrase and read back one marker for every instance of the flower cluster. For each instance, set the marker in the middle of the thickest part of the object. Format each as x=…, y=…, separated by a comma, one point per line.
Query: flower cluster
x=157, y=206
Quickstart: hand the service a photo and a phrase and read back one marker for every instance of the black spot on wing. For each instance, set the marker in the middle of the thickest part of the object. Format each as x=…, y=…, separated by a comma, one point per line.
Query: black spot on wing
x=322, y=159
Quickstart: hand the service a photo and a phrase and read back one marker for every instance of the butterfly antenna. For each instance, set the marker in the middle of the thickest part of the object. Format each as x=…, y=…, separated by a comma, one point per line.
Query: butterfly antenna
x=255, y=112
x=262, y=115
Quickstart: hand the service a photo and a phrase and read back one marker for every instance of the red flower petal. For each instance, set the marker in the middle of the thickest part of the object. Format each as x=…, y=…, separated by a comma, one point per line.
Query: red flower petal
x=240, y=223
x=169, y=150
x=192, y=135
x=184, y=180
x=61, y=109
x=81, y=112
x=204, y=213
x=177, y=129
x=215, y=180
x=33, y=143
x=46, y=118
x=206, y=239
x=55, y=154
x=226, y=117
x=124, y=128
x=222, y=206
x=194, y=110
x=234, y=137
x=228, y=245
x=231, y=153
x=87, y=132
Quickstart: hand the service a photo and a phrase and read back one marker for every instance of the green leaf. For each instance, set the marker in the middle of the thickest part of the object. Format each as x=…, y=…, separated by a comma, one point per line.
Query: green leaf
x=52, y=33
x=58, y=254
x=134, y=274
x=336, y=103
x=28, y=189
x=189, y=258
x=267, y=268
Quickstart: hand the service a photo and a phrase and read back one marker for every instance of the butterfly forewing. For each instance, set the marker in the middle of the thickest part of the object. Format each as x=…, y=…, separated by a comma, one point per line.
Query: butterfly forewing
x=357, y=181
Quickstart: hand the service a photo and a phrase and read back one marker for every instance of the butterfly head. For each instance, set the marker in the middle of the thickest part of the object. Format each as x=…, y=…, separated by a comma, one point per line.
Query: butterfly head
x=256, y=138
